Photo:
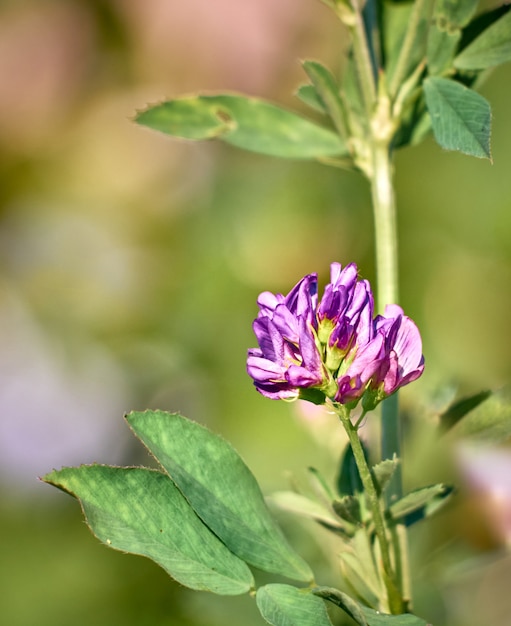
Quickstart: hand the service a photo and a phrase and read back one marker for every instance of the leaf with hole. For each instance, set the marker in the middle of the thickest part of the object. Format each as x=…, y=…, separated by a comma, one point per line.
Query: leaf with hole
x=248, y=123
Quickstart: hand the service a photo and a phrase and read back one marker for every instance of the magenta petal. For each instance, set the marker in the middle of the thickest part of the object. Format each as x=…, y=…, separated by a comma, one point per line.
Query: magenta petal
x=263, y=370
x=277, y=391
x=302, y=377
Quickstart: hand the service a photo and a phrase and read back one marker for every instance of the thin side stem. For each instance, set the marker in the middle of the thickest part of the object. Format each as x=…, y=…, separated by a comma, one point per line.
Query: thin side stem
x=396, y=603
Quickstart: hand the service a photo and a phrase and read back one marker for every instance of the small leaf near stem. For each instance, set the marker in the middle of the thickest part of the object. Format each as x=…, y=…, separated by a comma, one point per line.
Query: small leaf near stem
x=394, y=601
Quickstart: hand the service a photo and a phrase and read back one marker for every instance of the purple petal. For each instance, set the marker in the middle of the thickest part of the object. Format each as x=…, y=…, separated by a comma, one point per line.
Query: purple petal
x=277, y=391
x=301, y=377
x=263, y=370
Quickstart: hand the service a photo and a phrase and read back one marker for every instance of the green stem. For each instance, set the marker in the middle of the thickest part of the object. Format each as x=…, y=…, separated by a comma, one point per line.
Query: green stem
x=384, y=207
x=421, y=10
x=396, y=604
x=363, y=62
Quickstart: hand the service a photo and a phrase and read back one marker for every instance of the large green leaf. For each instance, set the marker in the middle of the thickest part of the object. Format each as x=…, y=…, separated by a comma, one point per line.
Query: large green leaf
x=141, y=511
x=492, y=47
x=461, y=118
x=283, y=605
x=221, y=489
x=248, y=123
x=489, y=420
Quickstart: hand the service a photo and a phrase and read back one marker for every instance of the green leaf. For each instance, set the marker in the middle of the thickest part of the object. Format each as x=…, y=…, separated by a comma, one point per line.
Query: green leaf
x=344, y=602
x=283, y=605
x=363, y=615
x=489, y=420
x=328, y=91
x=480, y=24
x=301, y=505
x=492, y=47
x=348, y=508
x=221, y=489
x=459, y=409
x=375, y=618
x=307, y=94
x=442, y=45
x=383, y=472
x=141, y=511
x=396, y=21
x=461, y=118
x=348, y=481
x=453, y=14
x=359, y=561
x=244, y=122
x=420, y=503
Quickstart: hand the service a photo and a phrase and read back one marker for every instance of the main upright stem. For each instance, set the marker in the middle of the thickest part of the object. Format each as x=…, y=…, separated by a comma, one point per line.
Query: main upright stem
x=381, y=127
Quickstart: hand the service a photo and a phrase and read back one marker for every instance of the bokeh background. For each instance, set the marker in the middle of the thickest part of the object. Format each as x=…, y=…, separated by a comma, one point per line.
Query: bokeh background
x=129, y=268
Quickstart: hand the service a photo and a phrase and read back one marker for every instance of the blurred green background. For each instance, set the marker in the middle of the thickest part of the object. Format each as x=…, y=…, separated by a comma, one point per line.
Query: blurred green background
x=129, y=270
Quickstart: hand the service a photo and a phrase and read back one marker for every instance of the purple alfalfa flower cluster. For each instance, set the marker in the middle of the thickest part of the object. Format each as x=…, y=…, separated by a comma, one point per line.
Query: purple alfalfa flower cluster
x=336, y=348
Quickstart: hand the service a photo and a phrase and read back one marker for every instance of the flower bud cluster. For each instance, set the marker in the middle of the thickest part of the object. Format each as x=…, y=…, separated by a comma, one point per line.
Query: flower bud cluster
x=336, y=348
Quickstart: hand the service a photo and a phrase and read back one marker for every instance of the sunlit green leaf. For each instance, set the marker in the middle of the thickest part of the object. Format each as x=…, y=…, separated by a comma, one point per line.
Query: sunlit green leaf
x=220, y=488
x=492, y=47
x=283, y=605
x=248, y=123
x=141, y=511
x=489, y=420
x=461, y=118
x=420, y=503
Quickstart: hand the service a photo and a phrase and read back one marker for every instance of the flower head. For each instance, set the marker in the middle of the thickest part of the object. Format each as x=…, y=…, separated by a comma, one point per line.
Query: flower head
x=335, y=348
